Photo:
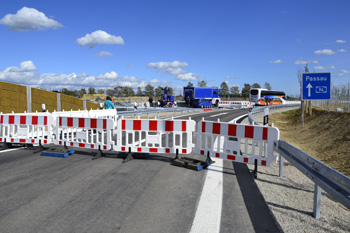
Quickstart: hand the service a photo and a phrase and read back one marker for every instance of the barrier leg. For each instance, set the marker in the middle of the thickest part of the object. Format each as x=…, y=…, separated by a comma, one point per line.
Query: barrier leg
x=209, y=160
x=255, y=172
x=129, y=156
x=40, y=148
x=177, y=154
x=99, y=153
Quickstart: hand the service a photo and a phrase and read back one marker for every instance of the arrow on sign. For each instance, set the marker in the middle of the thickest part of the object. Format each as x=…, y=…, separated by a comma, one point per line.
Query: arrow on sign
x=309, y=87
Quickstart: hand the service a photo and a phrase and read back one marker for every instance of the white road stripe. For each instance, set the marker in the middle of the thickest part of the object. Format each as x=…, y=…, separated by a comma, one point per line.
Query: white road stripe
x=8, y=150
x=208, y=214
x=224, y=113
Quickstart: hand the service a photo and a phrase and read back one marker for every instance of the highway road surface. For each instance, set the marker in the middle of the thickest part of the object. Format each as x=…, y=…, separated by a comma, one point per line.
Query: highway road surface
x=78, y=194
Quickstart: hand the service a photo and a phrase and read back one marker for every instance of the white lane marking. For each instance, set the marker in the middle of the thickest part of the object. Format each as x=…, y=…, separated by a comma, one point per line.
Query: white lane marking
x=208, y=214
x=224, y=113
x=8, y=150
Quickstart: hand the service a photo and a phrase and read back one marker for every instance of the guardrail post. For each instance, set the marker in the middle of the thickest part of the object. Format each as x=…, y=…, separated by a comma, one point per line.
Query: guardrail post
x=317, y=201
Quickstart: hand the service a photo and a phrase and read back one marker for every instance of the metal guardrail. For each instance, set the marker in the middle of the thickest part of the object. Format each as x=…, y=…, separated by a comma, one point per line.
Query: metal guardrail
x=330, y=180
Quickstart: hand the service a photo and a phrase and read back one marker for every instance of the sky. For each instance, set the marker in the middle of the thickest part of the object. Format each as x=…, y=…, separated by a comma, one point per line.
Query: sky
x=76, y=44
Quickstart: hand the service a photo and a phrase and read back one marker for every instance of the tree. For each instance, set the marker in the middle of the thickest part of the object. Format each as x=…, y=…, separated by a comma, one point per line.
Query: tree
x=224, y=89
x=267, y=86
x=149, y=90
x=139, y=91
x=92, y=90
x=256, y=85
x=190, y=84
x=234, y=90
x=245, y=90
x=101, y=91
x=158, y=91
x=82, y=92
x=110, y=92
x=202, y=83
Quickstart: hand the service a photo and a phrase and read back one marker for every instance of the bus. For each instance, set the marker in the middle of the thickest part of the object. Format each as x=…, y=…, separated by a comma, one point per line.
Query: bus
x=261, y=96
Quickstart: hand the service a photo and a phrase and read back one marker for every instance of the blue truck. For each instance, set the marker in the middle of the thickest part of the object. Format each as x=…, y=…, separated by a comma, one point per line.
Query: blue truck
x=193, y=93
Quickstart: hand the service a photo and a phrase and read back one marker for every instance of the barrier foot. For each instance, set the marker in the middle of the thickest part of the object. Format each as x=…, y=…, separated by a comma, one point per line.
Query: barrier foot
x=209, y=160
x=177, y=154
x=99, y=154
x=40, y=148
x=128, y=157
x=255, y=172
x=190, y=163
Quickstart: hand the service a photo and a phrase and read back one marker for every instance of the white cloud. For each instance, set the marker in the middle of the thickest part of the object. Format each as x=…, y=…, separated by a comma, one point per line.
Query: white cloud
x=103, y=54
x=187, y=77
x=173, y=68
x=341, y=50
x=340, y=41
x=165, y=65
x=332, y=67
x=325, y=52
x=319, y=67
x=28, y=19
x=345, y=71
x=99, y=37
x=303, y=62
x=25, y=66
x=276, y=61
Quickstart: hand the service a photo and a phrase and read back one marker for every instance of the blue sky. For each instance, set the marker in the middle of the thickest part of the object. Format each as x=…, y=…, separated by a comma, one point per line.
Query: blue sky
x=105, y=43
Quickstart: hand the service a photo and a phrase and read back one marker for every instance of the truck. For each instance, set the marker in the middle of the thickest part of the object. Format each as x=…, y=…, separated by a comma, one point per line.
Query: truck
x=167, y=99
x=192, y=93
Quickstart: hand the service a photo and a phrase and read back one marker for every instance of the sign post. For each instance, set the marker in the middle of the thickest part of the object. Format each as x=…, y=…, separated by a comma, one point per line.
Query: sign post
x=316, y=86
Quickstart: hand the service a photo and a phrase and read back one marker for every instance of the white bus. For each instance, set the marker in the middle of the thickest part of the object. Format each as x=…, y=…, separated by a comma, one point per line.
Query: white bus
x=266, y=97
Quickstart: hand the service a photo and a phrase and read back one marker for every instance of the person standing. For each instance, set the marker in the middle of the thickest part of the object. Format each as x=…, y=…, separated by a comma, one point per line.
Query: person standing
x=150, y=100
x=108, y=103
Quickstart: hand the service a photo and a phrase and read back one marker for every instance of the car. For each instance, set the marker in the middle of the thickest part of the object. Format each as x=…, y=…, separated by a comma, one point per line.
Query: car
x=202, y=103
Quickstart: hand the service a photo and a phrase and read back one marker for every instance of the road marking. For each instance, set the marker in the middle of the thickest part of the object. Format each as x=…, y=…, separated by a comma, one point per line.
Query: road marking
x=208, y=214
x=8, y=150
x=223, y=113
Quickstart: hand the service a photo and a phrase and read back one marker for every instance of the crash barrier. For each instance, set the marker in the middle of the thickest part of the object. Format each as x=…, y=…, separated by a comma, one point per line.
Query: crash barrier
x=155, y=136
x=239, y=143
x=92, y=133
x=27, y=129
x=236, y=104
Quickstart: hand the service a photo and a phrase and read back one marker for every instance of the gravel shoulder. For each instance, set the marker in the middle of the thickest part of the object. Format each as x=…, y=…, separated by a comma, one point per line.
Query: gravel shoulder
x=290, y=199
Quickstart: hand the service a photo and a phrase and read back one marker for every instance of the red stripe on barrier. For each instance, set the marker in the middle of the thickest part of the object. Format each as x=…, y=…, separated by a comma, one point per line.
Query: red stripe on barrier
x=202, y=152
x=232, y=130
x=249, y=131
x=2, y=119
x=154, y=150
x=231, y=157
x=60, y=121
x=60, y=142
x=81, y=145
x=11, y=120
x=81, y=122
x=184, y=126
x=153, y=125
x=71, y=144
x=169, y=126
x=23, y=120
x=70, y=122
x=92, y=146
x=34, y=120
x=203, y=127
x=217, y=155
x=104, y=123
x=33, y=140
x=93, y=123
x=167, y=150
x=265, y=131
x=123, y=124
x=123, y=148
x=105, y=147
x=139, y=149
x=263, y=162
x=136, y=125
x=12, y=140
x=45, y=141
x=216, y=128
x=22, y=140
x=245, y=160
x=0, y=139
x=184, y=151
x=45, y=120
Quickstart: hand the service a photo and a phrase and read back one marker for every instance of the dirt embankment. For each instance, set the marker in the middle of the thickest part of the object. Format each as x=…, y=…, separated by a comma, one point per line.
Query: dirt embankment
x=325, y=136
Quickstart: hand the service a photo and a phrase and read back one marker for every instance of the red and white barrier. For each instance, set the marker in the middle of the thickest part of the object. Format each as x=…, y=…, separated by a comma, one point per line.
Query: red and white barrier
x=236, y=104
x=92, y=133
x=239, y=143
x=155, y=136
x=26, y=129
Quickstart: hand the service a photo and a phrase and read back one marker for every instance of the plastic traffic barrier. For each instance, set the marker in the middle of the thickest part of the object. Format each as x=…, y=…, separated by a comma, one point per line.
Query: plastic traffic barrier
x=239, y=143
x=155, y=136
x=92, y=133
x=26, y=128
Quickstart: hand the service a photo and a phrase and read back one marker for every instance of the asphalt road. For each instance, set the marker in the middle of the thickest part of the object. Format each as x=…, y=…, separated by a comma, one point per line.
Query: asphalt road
x=78, y=194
